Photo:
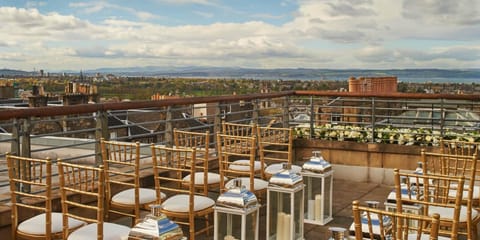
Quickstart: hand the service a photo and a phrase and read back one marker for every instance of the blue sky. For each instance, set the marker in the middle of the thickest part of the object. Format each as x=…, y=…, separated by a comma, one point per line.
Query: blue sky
x=61, y=35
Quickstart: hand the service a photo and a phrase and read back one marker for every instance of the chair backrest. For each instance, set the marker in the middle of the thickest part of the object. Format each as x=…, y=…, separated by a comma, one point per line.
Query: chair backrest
x=431, y=192
x=452, y=165
x=87, y=184
x=373, y=223
x=239, y=129
x=456, y=147
x=232, y=148
x=463, y=148
x=30, y=188
x=201, y=142
x=275, y=145
x=121, y=162
x=170, y=165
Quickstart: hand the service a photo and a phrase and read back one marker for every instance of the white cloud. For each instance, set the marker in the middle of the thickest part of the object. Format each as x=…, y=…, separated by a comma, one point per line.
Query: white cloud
x=181, y=2
x=327, y=33
x=34, y=4
x=97, y=6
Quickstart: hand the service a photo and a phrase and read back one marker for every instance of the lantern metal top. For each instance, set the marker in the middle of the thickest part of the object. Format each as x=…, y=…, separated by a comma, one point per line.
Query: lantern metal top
x=338, y=233
x=286, y=177
x=237, y=197
x=372, y=204
x=317, y=163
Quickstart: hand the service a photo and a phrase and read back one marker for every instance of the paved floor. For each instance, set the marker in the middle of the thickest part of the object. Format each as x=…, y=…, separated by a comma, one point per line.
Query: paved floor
x=343, y=195
x=345, y=192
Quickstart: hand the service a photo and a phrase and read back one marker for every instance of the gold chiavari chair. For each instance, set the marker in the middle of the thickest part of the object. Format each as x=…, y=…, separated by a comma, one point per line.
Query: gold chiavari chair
x=205, y=179
x=121, y=162
x=457, y=147
x=457, y=165
x=31, y=190
x=239, y=129
x=231, y=148
x=275, y=148
x=245, y=130
x=82, y=191
x=182, y=205
x=464, y=148
x=432, y=193
x=373, y=223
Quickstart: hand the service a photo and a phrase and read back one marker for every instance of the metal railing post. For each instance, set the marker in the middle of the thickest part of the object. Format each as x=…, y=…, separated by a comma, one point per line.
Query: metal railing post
x=101, y=131
x=217, y=121
x=25, y=152
x=25, y=138
x=312, y=118
x=442, y=118
x=169, y=127
x=255, y=111
x=286, y=112
x=373, y=120
x=15, y=143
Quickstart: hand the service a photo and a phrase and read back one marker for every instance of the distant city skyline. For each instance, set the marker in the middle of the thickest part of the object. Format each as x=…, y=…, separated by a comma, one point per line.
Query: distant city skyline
x=61, y=35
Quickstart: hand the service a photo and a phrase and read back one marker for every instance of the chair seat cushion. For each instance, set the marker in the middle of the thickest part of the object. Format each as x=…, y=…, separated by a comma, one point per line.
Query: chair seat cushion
x=180, y=203
x=278, y=167
x=447, y=213
x=376, y=229
x=111, y=231
x=244, y=165
x=259, y=184
x=36, y=225
x=212, y=178
x=475, y=194
x=146, y=195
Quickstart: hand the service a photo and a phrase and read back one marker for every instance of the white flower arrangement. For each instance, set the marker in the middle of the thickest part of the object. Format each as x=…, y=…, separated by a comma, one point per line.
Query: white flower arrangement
x=389, y=135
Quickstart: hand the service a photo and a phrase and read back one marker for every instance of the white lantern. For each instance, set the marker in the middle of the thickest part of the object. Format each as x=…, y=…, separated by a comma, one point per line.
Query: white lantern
x=318, y=179
x=236, y=214
x=337, y=233
x=285, y=206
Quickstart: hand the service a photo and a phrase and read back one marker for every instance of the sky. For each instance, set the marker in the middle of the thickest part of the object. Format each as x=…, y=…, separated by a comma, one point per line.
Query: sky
x=60, y=35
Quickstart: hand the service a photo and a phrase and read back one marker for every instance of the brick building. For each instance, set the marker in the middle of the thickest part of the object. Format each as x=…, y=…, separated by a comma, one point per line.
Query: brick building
x=372, y=84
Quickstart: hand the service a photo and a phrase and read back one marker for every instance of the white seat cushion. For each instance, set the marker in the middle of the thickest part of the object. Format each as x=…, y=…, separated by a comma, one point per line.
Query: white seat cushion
x=278, y=167
x=259, y=184
x=212, y=178
x=244, y=165
x=111, y=231
x=447, y=213
x=375, y=223
x=376, y=230
x=180, y=202
x=146, y=195
x=36, y=225
x=475, y=195
x=425, y=237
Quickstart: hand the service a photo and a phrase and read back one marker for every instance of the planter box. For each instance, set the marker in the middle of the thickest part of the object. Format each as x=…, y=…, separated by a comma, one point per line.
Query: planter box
x=372, y=155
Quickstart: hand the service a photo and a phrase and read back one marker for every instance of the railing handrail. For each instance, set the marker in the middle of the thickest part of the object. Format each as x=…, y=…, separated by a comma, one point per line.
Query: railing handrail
x=92, y=108
x=471, y=97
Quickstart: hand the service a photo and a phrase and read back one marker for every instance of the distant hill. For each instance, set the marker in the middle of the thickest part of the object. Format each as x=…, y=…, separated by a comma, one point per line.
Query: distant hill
x=11, y=72
x=405, y=75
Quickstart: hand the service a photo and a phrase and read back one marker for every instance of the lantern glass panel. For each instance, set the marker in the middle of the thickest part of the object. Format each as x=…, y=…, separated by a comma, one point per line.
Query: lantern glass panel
x=285, y=208
x=298, y=220
x=230, y=225
x=318, y=197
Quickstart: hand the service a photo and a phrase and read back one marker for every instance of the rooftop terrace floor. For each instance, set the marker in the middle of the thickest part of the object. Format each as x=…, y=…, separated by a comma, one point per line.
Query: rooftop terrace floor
x=344, y=193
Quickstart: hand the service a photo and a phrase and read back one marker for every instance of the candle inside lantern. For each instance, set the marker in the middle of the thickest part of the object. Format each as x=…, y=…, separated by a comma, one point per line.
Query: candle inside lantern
x=229, y=237
x=311, y=209
x=287, y=227
x=280, y=226
x=318, y=207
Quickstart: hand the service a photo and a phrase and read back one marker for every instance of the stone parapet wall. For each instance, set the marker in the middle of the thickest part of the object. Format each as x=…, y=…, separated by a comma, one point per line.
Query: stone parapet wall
x=369, y=162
